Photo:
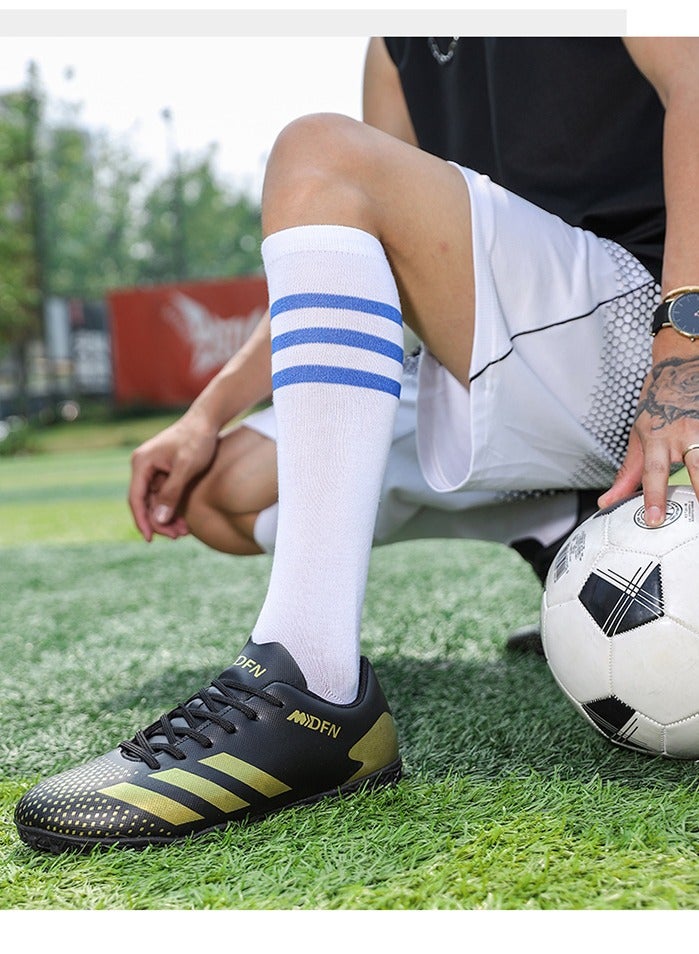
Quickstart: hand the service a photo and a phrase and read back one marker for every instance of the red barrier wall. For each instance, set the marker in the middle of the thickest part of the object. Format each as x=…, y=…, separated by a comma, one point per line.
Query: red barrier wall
x=168, y=341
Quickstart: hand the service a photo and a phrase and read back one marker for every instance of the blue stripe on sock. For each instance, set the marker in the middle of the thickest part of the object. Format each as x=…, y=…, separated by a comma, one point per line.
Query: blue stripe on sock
x=348, y=302
x=324, y=374
x=341, y=336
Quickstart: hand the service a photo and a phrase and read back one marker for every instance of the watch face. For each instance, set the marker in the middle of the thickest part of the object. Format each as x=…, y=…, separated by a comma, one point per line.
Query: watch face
x=684, y=314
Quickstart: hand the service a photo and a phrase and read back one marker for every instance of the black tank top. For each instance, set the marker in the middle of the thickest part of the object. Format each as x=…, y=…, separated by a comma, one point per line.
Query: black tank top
x=568, y=123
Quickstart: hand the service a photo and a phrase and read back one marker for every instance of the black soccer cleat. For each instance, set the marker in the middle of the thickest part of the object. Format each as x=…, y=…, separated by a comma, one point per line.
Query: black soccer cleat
x=528, y=638
x=252, y=743
x=540, y=557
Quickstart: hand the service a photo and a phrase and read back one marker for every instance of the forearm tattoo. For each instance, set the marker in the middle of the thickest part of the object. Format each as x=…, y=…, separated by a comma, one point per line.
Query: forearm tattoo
x=673, y=392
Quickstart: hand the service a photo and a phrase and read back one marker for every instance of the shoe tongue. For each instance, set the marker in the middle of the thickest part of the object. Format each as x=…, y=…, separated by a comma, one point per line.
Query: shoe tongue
x=258, y=665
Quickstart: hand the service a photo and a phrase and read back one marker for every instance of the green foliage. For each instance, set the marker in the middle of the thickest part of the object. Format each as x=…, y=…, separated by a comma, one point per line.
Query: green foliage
x=17, y=438
x=209, y=232
x=19, y=291
x=79, y=215
x=88, y=196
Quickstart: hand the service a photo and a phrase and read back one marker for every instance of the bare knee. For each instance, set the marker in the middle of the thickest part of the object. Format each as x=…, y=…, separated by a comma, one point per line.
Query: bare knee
x=319, y=145
x=208, y=519
x=222, y=506
x=319, y=172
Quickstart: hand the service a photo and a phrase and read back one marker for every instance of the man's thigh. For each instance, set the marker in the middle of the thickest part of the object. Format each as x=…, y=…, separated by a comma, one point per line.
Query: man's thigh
x=329, y=169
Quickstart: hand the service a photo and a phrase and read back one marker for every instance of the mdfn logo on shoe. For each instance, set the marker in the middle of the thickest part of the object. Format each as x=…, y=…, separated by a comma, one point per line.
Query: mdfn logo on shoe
x=314, y=723
x=246, y=663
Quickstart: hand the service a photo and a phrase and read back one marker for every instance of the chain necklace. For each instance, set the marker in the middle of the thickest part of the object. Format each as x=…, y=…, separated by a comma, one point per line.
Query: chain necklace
x=442, y=58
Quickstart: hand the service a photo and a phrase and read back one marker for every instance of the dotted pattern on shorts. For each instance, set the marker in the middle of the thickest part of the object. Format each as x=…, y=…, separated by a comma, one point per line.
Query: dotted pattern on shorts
x=625, y=362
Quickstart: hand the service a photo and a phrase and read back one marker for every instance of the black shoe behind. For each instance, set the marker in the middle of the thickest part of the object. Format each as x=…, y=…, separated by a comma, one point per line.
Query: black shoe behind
x=528, y=638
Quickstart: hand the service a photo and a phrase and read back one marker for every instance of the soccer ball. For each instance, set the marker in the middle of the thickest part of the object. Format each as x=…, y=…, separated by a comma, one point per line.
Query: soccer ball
x=620, y=625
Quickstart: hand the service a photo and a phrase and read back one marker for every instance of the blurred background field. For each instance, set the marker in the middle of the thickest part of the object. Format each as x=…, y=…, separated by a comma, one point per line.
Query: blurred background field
x=72, y=486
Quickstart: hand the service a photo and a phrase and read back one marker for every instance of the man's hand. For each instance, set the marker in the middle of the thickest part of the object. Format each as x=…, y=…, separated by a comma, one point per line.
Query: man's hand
x=161, y=471
x=667, y=422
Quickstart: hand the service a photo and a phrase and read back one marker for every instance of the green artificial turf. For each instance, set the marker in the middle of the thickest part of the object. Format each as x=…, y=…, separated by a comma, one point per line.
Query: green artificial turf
x=509, y=801
x=65, y=498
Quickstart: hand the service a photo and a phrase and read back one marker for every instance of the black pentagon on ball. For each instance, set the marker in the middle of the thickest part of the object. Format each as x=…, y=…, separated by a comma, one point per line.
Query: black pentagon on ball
x=618, y=603
x=616, y=720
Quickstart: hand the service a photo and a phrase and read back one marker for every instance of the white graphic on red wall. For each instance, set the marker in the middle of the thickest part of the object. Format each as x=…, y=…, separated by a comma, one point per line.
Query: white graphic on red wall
x=212, y=339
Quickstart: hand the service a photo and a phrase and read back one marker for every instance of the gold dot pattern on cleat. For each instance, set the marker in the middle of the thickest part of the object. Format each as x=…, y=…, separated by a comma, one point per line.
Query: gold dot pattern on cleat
x=69, y=804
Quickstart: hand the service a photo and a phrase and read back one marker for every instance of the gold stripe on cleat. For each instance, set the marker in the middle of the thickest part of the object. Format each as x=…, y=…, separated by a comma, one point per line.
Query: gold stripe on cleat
x=159, y=805
x=248, y=774
x=211, y=792
x=376, y=749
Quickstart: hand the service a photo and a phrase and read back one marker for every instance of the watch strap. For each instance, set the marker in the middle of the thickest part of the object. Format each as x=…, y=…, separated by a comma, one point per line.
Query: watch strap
x=661, y=318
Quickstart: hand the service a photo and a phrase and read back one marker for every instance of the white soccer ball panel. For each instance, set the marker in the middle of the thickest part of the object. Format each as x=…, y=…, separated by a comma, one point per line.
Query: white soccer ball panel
x=655, y=669
x=682, y=739
x=576, y=650
x=628, y=529
x=575, y=560
x=680, y=575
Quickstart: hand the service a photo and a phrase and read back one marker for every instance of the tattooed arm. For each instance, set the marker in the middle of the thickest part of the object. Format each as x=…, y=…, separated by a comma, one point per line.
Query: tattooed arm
x=667, y=420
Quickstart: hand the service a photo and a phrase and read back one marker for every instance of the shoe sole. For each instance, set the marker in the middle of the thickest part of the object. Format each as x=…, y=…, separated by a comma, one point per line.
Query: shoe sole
x=57, y=844
x=526, y=640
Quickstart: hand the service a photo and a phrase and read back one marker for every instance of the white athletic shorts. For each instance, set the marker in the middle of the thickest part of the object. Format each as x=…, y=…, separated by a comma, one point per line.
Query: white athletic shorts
x=410, y=509
x=561, y=349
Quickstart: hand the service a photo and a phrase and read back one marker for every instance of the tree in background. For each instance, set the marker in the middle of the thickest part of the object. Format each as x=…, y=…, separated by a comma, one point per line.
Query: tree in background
x=20, y=274
x=196, y=226
x=89, y=193
x=18, y=280
x=79, y=215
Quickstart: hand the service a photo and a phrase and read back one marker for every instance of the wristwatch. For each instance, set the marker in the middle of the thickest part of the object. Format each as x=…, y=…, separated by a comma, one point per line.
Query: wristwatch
x=679, y=309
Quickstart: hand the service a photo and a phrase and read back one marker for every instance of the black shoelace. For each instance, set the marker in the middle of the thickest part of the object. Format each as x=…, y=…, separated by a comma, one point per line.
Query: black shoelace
x=182, y=721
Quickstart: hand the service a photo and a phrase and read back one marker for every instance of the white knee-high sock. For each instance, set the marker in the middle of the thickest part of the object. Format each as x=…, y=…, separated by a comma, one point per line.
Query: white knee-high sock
x=337, y=351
